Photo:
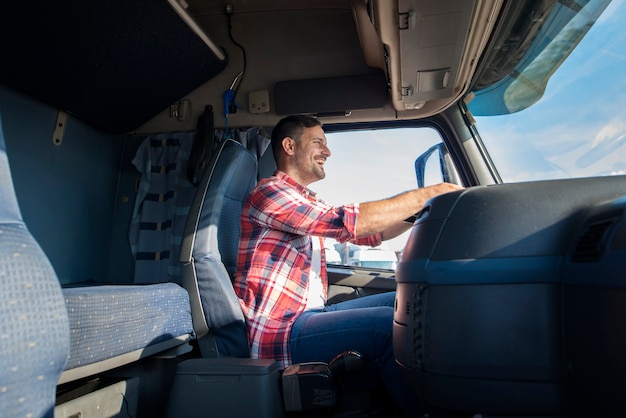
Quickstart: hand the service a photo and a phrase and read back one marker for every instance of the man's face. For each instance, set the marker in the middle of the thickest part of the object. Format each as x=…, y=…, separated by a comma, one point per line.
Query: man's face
x=311, y=153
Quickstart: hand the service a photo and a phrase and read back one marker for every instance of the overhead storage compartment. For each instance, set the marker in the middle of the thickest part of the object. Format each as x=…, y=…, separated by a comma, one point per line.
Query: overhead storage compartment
x=114, y=64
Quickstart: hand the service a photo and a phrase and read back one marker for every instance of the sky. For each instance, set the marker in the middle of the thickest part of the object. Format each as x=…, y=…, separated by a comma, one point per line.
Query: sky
x=577, y=129
x=370, y=166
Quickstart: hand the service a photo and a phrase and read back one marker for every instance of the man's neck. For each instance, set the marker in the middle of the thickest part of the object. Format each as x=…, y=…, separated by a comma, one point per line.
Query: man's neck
x=295, y=174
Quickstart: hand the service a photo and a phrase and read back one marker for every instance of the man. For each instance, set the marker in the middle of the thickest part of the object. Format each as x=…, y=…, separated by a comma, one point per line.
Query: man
x=281, y=270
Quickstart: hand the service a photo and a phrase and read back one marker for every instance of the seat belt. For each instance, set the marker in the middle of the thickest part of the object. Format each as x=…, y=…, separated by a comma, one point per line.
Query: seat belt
x=203, y=145
x=208, y=346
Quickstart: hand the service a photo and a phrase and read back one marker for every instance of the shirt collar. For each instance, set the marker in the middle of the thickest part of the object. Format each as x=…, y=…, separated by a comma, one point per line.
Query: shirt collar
x=303, y=190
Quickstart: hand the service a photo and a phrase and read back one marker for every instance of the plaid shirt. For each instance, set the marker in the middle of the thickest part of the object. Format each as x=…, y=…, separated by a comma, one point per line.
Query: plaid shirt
x=278, y=220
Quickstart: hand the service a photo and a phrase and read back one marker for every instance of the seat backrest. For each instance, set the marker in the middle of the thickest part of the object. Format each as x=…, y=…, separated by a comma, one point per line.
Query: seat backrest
x=210, y=245
x=34, y=330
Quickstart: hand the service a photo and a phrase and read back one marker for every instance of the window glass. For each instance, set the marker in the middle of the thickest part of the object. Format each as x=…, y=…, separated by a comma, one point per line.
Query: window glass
x=578, y=127
x=371, y=165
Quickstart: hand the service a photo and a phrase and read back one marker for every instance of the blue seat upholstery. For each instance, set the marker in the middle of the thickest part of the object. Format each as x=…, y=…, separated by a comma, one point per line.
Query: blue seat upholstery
x=209, y=250
x=50, y=335
x=34, y=331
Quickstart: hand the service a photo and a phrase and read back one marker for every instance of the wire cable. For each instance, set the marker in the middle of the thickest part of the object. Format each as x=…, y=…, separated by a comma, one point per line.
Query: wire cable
x=229, y=14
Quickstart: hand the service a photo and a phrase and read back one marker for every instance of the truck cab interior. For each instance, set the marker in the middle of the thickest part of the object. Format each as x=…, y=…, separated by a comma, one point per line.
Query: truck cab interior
x=132, y=131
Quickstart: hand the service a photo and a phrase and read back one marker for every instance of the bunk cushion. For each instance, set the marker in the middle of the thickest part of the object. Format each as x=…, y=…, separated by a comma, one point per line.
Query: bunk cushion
x=108, y=321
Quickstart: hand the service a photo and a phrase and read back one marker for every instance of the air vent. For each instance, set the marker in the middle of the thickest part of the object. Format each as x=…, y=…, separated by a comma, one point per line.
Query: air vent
x=590, y=245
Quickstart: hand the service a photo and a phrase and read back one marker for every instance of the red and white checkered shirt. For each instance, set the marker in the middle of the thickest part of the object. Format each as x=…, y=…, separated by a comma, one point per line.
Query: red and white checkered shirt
x=278, y=220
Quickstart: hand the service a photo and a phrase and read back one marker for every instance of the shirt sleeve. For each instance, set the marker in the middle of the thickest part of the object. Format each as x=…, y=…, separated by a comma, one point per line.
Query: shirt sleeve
x=281, y=207
x=370, y=241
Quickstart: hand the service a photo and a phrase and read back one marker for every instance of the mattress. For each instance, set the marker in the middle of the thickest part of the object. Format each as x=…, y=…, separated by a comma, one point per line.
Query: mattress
x=113, y=320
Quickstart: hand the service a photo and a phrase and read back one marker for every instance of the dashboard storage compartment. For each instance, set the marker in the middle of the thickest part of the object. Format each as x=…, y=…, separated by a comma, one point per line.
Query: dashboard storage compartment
x=478, y=324
x=482, y=346
x=594, y=307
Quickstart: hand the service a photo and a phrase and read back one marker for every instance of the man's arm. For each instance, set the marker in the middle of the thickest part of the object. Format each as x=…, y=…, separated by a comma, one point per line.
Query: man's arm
x=386, y=216
x=395, y=230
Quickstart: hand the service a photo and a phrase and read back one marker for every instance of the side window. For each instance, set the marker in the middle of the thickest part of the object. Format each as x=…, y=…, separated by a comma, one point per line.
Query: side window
x=370, y=165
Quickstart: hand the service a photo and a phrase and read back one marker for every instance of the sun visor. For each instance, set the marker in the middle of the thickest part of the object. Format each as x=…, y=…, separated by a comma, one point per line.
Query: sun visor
x=336, y=95
x=426, y=43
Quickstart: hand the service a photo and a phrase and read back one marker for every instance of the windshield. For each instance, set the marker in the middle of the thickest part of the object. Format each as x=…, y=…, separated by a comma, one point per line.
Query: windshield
x=577, y=128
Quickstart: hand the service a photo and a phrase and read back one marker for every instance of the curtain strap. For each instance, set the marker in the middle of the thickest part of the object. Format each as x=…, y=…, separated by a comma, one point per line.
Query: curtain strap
x=203, y=144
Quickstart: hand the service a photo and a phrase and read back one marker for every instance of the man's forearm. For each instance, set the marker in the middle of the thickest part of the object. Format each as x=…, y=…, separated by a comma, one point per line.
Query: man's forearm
x=395, y=230
x=381, y=215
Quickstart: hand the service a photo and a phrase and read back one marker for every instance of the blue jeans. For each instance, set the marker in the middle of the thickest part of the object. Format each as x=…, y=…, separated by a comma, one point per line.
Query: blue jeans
x=363, y=325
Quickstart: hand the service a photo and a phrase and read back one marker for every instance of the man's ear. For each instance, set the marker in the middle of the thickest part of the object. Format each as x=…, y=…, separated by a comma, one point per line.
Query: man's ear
x=288, y=145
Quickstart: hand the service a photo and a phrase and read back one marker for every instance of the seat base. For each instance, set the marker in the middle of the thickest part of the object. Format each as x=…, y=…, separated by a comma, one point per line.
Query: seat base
x=220, y=384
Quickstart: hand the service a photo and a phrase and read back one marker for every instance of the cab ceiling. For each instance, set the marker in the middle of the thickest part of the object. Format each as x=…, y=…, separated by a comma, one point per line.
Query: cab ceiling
x=432, y=57
x=120, y=65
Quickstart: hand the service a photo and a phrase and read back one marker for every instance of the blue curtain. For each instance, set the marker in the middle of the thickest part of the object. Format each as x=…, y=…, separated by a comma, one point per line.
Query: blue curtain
x=164, y=197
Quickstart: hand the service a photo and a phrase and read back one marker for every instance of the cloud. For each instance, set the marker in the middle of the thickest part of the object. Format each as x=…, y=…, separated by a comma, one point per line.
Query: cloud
x=606, y=143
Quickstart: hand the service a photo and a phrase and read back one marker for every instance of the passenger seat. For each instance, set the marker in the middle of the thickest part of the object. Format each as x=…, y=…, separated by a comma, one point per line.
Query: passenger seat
x=34, y=331
x=51, y=335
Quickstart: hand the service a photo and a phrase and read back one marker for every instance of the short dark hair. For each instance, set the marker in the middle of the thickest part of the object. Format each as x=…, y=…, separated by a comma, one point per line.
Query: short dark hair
x=291, y=126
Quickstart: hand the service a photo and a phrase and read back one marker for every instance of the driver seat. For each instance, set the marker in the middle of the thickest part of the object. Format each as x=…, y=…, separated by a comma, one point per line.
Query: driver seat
x=209, y=251
x=209, y=258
